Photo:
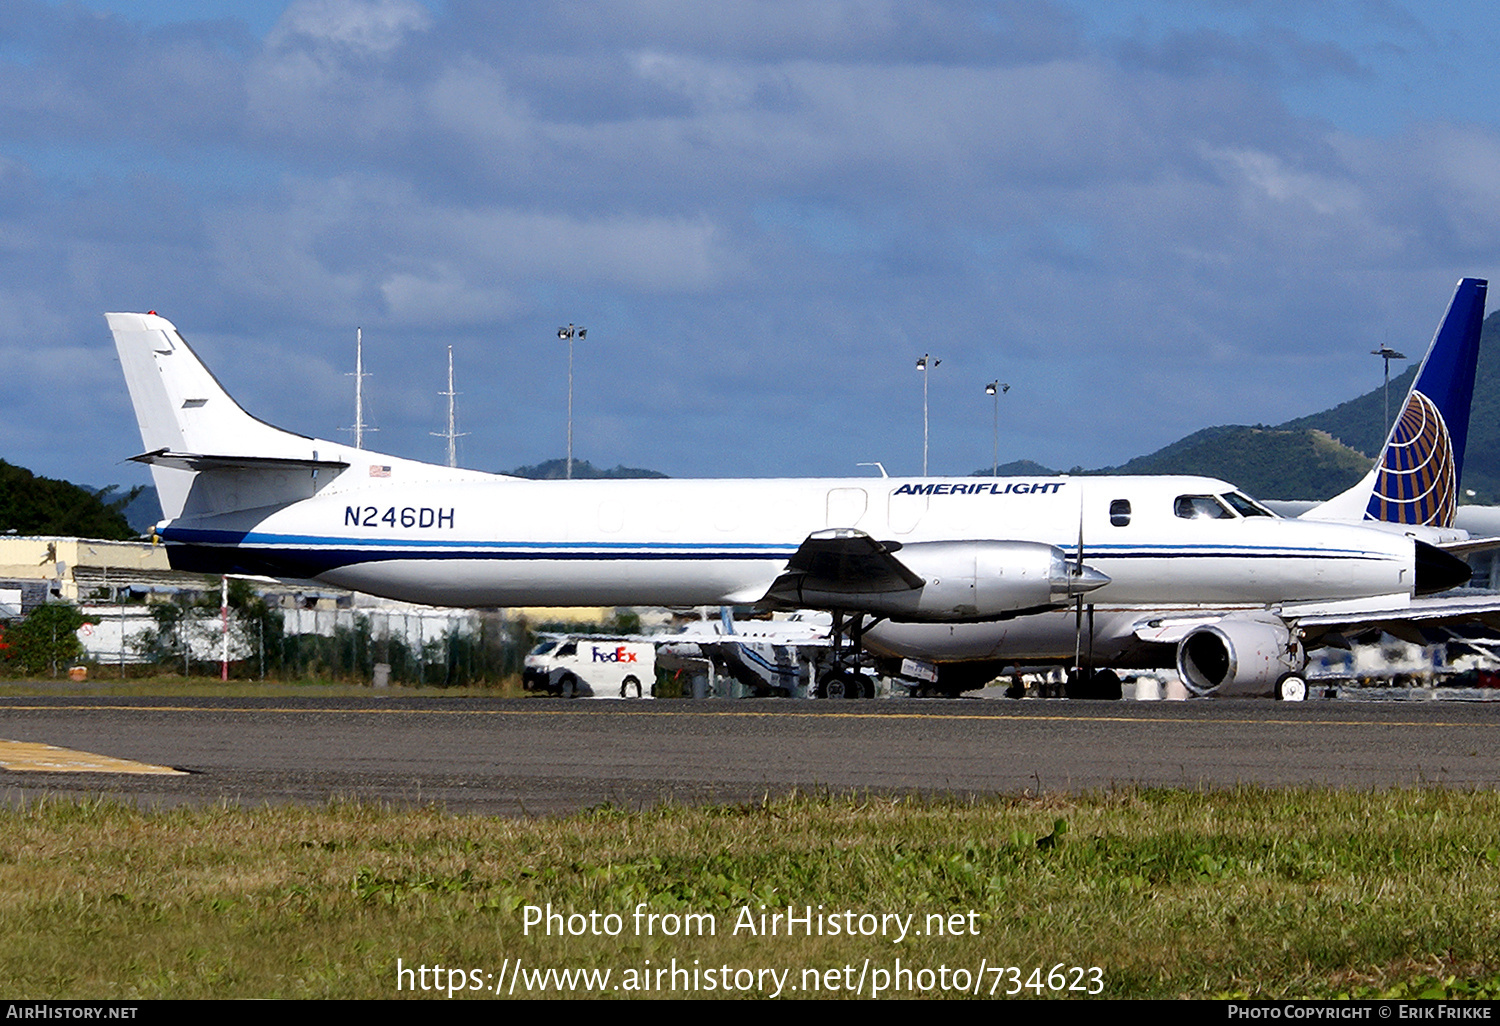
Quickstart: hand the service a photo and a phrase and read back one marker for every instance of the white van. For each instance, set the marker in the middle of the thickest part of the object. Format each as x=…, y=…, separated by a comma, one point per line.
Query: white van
x=582, y=667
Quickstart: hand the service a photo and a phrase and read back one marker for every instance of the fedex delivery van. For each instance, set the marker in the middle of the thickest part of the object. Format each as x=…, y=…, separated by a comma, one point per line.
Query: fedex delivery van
x=583, y=667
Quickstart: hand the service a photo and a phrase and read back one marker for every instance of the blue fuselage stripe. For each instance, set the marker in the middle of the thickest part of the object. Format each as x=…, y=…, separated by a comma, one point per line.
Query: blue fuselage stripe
x=328, y=553
x=406, y=548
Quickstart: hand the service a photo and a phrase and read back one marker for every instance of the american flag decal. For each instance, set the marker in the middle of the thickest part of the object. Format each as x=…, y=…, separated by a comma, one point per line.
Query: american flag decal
x=376, y=471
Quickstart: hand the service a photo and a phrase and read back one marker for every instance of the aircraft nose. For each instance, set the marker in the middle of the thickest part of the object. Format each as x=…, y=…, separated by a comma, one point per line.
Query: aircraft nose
x=1438, y=570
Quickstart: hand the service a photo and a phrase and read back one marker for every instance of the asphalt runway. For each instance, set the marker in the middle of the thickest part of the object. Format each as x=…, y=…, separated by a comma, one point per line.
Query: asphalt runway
x=547, y=756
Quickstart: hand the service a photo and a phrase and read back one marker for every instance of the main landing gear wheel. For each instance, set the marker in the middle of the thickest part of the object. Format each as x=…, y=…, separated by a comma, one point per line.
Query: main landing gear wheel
x=1075, y=686
x=1107, y=686
x=845, y=685
x=1291, y=687
x=1102, y=686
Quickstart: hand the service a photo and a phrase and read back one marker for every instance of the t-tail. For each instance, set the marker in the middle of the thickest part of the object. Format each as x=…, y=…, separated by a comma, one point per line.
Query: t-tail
x=207, y=455
x=1415, y=480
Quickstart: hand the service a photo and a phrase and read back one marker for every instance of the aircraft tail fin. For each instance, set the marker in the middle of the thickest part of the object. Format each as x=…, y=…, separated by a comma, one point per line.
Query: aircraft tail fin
x=1415, y=479
x=189, y=424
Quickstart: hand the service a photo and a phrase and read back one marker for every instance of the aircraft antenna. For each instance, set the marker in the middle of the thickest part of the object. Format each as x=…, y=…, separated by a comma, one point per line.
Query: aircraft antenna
x=452, y=434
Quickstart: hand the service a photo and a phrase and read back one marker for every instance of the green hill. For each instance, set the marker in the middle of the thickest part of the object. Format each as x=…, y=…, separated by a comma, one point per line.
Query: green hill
x=1018, y=468
x=1357, y=422
x=1269, y=463
x=40, y=505
x=1318, y=456
x=557, y=470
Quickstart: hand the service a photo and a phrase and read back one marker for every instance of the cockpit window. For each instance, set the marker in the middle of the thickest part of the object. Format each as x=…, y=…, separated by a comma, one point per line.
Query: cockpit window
x=545, y=647
x=1201, y=507
x=1245, y=506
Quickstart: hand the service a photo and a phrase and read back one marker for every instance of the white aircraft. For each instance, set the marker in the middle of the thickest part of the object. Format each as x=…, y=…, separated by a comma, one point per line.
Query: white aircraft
x=240, y=496
x=769, y=658
x=1239, y=645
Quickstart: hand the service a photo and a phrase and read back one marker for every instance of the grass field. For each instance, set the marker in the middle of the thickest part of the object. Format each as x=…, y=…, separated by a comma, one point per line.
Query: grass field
x=1260, y=893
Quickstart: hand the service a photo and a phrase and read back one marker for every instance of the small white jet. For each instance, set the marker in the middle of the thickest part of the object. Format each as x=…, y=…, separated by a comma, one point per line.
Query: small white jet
x=769, y=658
x=1229, y=645
x=243, y=497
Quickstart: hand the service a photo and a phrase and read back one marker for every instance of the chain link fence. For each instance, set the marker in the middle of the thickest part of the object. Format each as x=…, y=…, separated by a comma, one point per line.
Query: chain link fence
x=432, y=648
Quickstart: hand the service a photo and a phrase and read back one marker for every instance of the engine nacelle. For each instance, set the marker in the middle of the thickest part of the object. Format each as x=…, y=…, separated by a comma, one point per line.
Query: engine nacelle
x=1238, y=655
x=982, y=580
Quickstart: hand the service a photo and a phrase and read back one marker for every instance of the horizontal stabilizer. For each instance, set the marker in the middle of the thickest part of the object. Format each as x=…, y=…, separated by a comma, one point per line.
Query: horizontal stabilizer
x=203, y=461
x=1469, y=546
x=1426, y=612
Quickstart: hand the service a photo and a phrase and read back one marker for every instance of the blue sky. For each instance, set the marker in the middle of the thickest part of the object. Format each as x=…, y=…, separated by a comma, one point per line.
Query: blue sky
x=1146, y=217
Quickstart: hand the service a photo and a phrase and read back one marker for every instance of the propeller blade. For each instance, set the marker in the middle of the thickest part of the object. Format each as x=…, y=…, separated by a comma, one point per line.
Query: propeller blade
x=1078, y=601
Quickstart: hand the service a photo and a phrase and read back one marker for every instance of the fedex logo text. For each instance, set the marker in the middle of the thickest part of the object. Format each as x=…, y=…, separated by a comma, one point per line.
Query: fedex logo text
x=613, y=655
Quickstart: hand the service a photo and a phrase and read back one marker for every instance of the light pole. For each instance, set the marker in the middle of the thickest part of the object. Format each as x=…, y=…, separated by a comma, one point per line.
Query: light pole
x=1387, y=354
x=922, y=367
x=996, y=388
x=570, y=333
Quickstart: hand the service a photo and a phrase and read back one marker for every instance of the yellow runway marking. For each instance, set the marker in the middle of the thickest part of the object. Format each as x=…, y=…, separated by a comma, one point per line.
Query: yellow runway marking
x=35, y=757
x=742, y=714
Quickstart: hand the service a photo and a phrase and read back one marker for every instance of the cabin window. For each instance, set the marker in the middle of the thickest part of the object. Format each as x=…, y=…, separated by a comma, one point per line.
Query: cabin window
x=1119, y=512
x=1201, y=507
x=570, y=649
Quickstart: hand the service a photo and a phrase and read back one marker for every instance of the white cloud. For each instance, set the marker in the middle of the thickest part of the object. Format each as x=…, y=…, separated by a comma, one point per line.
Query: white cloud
x=632, y=251
x=442, y=296
x=706, y=85
x=1269, y=176
x=368, y=27
x=833, y=190
x=472, y=100
x=329, y=249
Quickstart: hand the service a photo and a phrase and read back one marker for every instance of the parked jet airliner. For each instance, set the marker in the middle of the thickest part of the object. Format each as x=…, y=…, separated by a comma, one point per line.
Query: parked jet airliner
x=1247, y=646
x=241, y=496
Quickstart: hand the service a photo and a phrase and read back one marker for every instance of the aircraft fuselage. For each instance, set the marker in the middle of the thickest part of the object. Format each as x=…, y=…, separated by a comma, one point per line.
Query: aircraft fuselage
x=423, y=536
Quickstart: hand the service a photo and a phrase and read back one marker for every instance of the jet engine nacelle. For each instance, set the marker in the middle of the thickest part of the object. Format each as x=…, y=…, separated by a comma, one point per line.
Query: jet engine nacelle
x=984, y=580
x=1238, y=655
